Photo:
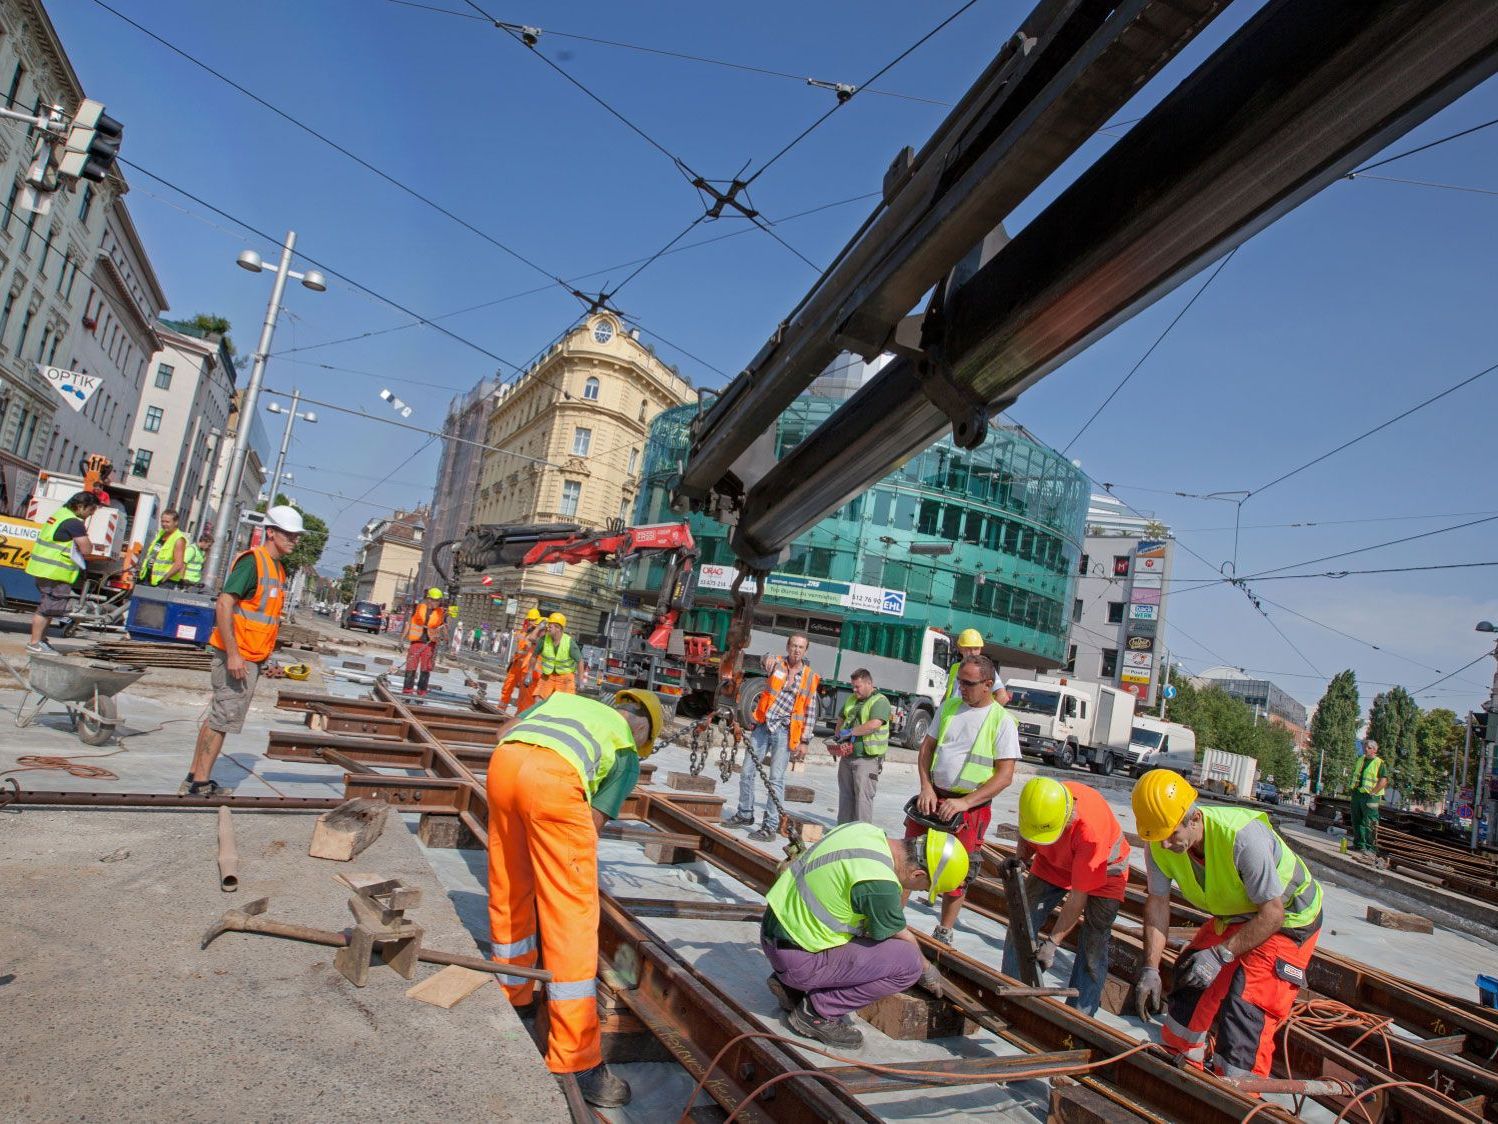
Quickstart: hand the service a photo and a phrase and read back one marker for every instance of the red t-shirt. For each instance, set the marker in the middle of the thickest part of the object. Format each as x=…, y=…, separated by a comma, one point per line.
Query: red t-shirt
x=1084, y=855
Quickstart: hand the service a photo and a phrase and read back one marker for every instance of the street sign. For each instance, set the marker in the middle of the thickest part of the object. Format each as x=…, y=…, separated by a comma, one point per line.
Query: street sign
x=1170, y=691
x=75, y=387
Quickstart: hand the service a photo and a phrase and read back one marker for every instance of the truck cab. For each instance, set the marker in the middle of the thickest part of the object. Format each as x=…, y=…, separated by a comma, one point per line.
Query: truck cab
x=1065, y=722
x=1156, y=744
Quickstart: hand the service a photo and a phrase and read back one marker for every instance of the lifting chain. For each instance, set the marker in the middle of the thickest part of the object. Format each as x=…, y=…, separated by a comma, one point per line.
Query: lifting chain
x=697, y=751
x=729, y=736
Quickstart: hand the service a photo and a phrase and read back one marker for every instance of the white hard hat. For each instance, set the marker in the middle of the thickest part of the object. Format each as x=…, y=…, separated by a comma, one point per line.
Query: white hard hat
x=289, y=519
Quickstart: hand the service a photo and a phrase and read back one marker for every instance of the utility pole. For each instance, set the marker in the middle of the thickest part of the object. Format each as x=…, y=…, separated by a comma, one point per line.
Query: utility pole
x=291, y=420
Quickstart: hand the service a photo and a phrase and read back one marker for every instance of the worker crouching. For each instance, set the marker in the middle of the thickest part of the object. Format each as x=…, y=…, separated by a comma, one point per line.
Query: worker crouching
x=834, y=928
x=562, y=771
x=1237, y=980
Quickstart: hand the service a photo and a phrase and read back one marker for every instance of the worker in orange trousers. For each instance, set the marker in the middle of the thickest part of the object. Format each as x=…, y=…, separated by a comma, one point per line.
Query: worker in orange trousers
x=557, y=654
x=520, y=678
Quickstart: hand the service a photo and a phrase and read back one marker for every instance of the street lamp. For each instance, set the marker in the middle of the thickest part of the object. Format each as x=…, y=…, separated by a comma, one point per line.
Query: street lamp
x=1483, y=788
x=223, y=529
x=291, y=419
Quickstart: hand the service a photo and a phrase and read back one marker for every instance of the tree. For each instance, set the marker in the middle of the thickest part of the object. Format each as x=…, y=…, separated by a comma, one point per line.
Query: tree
x=1393, y=721
x=1223, y=722
x=1438, y=739
x=314, y=538
x=1334, y=732
x=208, y=323
x=347, y=583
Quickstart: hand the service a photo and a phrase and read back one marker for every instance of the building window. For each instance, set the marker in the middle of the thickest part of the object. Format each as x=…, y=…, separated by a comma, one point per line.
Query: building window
x=164, y=376
x=87, y=205
x=590, y=390
x=25, y=330
x=15, y=86
x=572, y=494
x=10, y=205
x=1120, y=565
x=30, y=227
x=152, y=424
x=142, y=463
x=1109, y=666
x=582, y=441
x=1071, y=660
x=644, y=405
x=1115, y=612
x=1076, y=609
x=634, y=462
x=1082, y=565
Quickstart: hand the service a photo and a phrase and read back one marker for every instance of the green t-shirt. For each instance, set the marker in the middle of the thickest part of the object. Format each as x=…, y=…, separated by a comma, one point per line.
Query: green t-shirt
x=879, y=710
x=243, y=579
x=877, y=901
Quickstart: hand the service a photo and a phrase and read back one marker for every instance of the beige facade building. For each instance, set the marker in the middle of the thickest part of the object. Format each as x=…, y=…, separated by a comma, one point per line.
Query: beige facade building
x=391, y=558
x=567, y=442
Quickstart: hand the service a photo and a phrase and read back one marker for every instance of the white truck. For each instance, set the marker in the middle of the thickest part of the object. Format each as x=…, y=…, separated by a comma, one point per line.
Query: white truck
x=1228, y=774
x=1156, y=744
x=1065, y=722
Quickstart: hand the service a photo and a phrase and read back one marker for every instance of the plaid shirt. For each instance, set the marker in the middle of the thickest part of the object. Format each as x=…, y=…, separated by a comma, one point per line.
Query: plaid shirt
x=779, y=716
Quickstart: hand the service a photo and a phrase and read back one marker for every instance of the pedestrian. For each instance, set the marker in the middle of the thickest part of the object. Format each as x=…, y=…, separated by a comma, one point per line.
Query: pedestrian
x=521, y=674
x=783, y=719
x=968, y=762
x=478, y=638
x=247, y=619
x=457, y=641
x=165, y=560
x=1237, y=979
x=834, y=927
x=1368, y=784
x=558, y=659
x=1079, y=860
x=860, y=743
x=58, y=557
x=423, y=634
x=562, y=771
x=970, y=643
x=193, y=558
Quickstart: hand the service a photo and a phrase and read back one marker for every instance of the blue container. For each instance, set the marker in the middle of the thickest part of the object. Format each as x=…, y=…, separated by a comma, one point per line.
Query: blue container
x=173, y=615
x=1487, y=991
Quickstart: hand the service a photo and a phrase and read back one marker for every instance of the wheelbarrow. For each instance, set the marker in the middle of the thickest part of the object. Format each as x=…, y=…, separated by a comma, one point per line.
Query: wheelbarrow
x=85, y=688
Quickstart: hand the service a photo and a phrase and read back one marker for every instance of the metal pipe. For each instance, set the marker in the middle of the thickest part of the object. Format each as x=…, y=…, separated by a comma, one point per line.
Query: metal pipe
x=1309, y=1087
x=228, y=853
x=172, y=802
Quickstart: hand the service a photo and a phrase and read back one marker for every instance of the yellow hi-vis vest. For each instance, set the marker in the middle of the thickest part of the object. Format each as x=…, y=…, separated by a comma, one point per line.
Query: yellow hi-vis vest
x=812, y=898
x=559, y=659
x=159, y=555
x=856, y=713
x=51, y=560
x=192, y=563
x=1367, y=772
x=978, y=768
x=587, y=734
x=1223, y=895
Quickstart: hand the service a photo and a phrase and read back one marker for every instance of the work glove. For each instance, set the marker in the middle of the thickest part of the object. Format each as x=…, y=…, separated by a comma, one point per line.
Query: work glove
x=931, y=980
x=1149, y=994
x=1045, y=954
x=1201, y=969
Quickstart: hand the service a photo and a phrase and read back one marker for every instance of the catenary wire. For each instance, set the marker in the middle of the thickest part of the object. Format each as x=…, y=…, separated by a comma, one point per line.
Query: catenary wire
x=1451, y=674
x=1423, y=147
x=1374, y=546
x=1338, y=574
x=1426, y=183
x=1305, y=523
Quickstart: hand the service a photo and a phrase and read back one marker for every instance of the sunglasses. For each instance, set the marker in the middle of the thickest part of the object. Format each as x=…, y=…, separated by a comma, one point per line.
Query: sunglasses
x=972, y=682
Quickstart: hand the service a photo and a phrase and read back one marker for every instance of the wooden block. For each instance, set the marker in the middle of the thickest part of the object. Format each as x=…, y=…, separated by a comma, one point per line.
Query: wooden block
x=1116, y=994
x=907, y=1016
x=669, y=855
x=451, y=985
x=685, y=782
x=647, y=772
x=811, y=830
x=348, y=829
x=1405, y=922
x=1076, y=1104
x=799, y=794
x=445, y=831
x=353, y=665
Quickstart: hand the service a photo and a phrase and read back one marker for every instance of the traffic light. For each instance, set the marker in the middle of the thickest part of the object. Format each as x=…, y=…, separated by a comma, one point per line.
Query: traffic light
x=92, y=145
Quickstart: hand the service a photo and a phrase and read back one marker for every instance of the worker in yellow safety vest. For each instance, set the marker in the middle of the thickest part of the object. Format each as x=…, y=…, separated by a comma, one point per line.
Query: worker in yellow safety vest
x=1368, y=784
x=970, y=643
x=558, y=659
x=165, y=560
x=57, y=559
x=194, y=556
x=423, y=634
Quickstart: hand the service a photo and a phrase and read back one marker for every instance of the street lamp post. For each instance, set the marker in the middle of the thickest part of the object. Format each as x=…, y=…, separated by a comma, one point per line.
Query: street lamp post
x=291, y=419
x=223, y=529
x=1482, y=789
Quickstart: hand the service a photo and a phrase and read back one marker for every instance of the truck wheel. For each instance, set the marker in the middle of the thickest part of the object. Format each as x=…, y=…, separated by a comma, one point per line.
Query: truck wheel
x=749, y=693
x=1065, y=757
x=915, y=733
x=1104, y=767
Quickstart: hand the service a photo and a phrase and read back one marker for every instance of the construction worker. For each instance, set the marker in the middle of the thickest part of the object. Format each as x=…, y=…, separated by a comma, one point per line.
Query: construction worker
x=560, y=773
x=1368, y=784
x=165, y=559
x=1078, y=859
x=57, y=559
x=834, y=928
x=970, y=643
x=423, y=634
x=193, y=557
x=1236, y=981
x=247, y=621
x=520, y=676
x=860, y=743
x=968, y=762
x=558, y=659
x=783, y=719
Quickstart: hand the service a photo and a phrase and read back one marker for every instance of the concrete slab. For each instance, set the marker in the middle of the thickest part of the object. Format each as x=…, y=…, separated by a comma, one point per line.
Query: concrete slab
x=113, y=1012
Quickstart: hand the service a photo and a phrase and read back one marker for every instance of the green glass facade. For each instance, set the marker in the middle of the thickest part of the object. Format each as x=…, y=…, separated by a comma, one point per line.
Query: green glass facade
x=1012, y=510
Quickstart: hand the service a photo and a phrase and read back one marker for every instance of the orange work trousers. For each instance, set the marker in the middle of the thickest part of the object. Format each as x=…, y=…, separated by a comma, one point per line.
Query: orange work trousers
x=557, y=684
x=1232, y=1023
x=518, y=678
x=543, y=866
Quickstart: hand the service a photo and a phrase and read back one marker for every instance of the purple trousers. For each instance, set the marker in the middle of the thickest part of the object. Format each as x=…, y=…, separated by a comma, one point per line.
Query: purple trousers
x=850, y=976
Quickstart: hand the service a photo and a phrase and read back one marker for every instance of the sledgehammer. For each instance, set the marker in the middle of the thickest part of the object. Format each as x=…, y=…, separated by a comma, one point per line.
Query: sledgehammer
x=248, y=920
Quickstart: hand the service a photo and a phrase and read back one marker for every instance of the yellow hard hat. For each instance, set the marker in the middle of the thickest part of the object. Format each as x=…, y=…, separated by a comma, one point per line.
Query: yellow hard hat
x=435, y=593
x=533, y=615
x=1045, y=806
x=970, y=638
x=946, y=863
x=298, y=671
x=1161, y=800
x=557, y=618
x=651, y=706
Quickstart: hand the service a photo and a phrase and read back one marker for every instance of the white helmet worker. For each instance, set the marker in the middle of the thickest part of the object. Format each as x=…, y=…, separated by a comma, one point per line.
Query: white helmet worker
x=289, y=519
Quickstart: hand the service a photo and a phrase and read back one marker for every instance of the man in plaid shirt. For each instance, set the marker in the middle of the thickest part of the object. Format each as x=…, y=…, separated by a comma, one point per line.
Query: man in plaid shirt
x=783, y=721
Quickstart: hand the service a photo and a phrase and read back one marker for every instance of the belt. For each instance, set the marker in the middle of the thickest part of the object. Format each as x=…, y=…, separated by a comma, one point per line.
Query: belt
x=786, y=945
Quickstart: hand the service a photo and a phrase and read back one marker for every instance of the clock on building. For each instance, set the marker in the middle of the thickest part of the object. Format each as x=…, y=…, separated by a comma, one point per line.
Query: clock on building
x=603, y=331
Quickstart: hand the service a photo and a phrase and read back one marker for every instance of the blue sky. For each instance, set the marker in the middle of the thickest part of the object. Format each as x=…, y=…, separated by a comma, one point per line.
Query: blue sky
x=1363, y=302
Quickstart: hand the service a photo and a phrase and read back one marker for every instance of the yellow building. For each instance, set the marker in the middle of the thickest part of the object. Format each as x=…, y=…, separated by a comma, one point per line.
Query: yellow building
x=567, y=442
x=390, y=559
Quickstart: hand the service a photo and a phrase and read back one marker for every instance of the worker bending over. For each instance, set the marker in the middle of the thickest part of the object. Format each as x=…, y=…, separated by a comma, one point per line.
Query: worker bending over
x=558, y=657
x=423, y=634
x=1078, y=859
x=520, y=676
x=58, y=559
x=560, y=773
x=834, y=927
x=1237, y=979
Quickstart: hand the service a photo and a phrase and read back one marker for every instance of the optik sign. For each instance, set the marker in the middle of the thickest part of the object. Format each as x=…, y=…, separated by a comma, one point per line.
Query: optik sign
x=75, y=387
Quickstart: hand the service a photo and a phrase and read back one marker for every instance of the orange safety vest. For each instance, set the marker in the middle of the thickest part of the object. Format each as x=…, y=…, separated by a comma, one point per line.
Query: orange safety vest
x=422, y=620
x=804, y=706
x=257, y=619
x=523, y=643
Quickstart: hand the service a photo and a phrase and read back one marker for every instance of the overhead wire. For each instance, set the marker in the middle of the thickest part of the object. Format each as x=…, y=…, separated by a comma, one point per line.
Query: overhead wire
x=1425, y=183
x=1449, y=675
x=1423, y=147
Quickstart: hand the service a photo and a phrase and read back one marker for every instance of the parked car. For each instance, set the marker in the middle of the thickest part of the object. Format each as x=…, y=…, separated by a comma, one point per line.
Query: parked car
x=1267, y=792
x=366, y=615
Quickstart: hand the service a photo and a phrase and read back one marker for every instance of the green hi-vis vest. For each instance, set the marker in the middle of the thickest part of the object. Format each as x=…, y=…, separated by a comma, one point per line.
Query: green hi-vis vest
x=952, y=683
x=588, y=735
x=812, y=898
x=51, y=560
x=192, y=563
x=1223, y=896
x=159, y=555
x=559, y=660
x=1369, y=769
x=977, y=770
x=856, y=713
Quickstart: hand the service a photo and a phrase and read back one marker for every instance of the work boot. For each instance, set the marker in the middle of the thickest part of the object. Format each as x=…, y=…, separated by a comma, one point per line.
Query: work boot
x=603, y=1089
x=787, y=997
x=409, y=683
x=833, y=1032
x=943, y=934
x=764, y=834
x=739, y=819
